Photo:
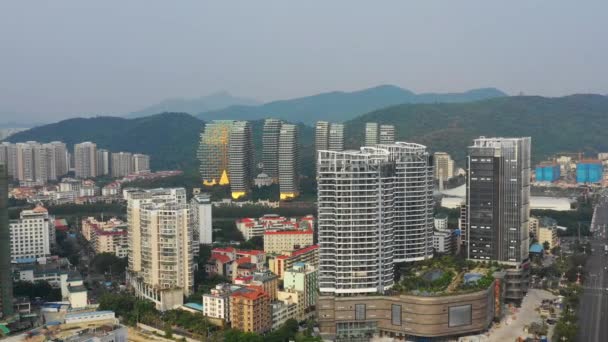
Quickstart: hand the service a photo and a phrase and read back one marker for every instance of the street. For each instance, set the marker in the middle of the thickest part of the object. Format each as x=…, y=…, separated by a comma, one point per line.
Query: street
x=593, y=309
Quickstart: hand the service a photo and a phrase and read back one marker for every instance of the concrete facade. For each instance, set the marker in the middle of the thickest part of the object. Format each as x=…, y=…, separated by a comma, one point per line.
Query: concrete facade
x=361, y=317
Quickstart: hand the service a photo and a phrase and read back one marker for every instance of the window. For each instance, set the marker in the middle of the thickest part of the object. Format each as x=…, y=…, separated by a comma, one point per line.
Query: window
x=396, y=314
x=359, y=312
x=460, y=315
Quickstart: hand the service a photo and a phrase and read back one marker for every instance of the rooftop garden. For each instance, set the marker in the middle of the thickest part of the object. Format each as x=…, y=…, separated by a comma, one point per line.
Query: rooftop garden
x=444, y=276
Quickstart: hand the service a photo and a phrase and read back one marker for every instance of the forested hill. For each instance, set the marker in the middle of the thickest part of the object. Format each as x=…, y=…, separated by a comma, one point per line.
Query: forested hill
x=169, y=138
x=565, y=124
x=576, y=123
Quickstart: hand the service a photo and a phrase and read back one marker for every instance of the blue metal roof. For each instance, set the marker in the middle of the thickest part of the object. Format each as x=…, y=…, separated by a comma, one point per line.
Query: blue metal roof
x=194, y=306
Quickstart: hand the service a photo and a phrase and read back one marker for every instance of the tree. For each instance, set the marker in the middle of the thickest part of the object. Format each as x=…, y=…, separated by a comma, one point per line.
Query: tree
x=108, y=262
x=38, y=289
x=546, y=246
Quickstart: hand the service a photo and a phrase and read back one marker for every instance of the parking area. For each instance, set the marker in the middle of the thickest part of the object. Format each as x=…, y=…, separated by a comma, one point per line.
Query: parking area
x=517, y=319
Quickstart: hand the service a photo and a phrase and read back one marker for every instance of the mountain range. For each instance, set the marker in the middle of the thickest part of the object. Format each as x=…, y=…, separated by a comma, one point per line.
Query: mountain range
x=342, y=106
x=211, y=102
x=574, y=123
x=169, y=138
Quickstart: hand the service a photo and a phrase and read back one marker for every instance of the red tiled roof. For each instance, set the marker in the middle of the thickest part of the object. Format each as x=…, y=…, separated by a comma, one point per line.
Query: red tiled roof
x=243, y=260
x=220, y=257
x=40, y=209
x=282, y=257
x=244, y=279
x=288, y=232
x=304, y=250
x=251, y=294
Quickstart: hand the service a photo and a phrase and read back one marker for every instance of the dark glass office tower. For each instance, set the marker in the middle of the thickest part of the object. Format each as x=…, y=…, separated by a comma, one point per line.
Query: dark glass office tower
x=498, y=205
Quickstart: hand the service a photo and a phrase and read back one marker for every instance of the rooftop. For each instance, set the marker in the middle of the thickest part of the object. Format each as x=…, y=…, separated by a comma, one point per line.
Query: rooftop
x=443, y=276
x=250, y=293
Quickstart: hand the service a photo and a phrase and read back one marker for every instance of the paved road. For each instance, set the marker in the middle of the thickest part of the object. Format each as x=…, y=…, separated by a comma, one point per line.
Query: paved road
x=593, y=310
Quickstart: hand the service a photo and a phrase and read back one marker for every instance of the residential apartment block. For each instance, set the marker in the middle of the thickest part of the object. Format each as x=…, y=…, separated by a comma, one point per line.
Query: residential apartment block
x=161, y=251
x=250, y=311
x=30, y=235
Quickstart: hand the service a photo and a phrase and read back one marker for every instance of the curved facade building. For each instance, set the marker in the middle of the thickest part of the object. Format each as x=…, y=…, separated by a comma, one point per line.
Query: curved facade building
x=407, y=317
x=213, y=152
x=413, y=201
x=356, y=205
x=240, y=159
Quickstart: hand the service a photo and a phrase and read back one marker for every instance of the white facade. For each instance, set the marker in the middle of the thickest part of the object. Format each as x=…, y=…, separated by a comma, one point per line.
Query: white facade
x=85, y=160
x=216, y=304
x=141, y=163
x=442, y=241
x=103, y=162
x=122, y=164
x=371, y=133
x=30, y=235
x=441, y=222
x=202, y=218
x=289, y=178
x=282, y=312
x=356, y=208
x=386, y=134
x=161, y=244
x=414, y=201
x=270, y=141
x=444, y=167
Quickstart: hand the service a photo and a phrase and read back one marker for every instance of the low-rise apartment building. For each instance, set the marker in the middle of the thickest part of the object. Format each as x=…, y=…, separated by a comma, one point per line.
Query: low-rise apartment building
x=308, y=255
x=277, y=241
x=250, y=311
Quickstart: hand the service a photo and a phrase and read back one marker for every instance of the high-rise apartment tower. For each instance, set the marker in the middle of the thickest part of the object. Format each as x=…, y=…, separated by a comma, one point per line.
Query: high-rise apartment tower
x=85, y=160
x=213, y=152
x=240, y=157
x=270, y=141
x=289, y=178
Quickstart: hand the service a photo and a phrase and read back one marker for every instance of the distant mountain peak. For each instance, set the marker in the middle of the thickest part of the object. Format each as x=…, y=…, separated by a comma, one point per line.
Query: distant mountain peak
x=214, y=101
x=341, y=106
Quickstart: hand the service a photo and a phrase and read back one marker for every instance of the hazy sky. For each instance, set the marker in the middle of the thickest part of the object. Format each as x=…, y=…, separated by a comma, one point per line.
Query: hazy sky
x=75, y=58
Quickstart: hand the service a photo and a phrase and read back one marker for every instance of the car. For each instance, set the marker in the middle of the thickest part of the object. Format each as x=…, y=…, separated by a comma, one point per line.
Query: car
x=551, y=321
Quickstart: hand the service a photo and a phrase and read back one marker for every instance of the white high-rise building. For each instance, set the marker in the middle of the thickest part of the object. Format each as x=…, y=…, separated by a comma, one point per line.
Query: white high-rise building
x=122, y=164
x=57, y=159
x=240, y=159
x=31, y=235
x=444, y=167
x=371, y=134
x=414, y=201
x=329, y=136
x=161, y=245
x=289, y=178
x=141, y=163
x=387, y=134
x=356, y=211
x=336, y=137
x=103, y=162
x=270, y=140
x=202, y=218
x=85, y=160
